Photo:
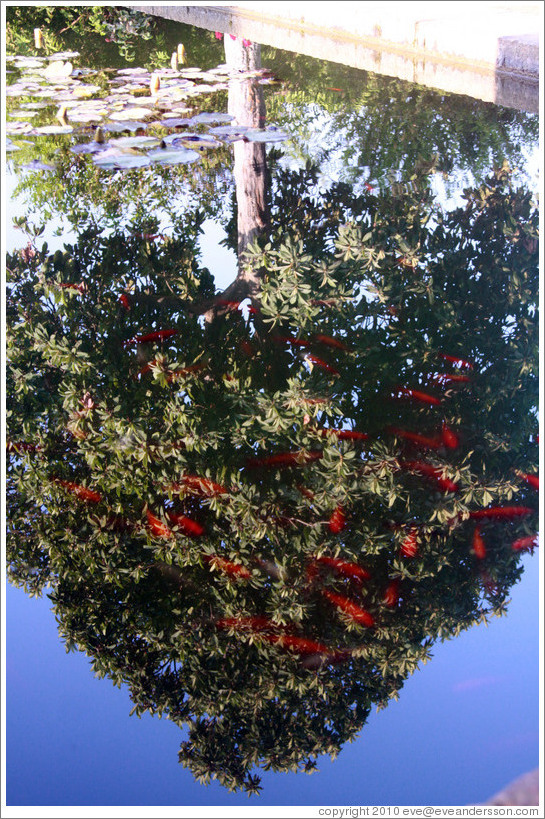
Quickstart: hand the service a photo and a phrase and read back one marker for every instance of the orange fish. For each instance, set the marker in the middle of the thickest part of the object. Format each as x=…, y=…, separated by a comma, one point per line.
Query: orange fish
x=409, y=545
x=531, y=480
x=188, y=526
x=344, y=434
x=80, y=491
x=328, y=341
x=299, y=645
x=350, y=608
x=423, y=397
x=232, y=569
x=321, y=363
x=415, y=438
x=524, y=543
x=337, y=521
x=159, y=335
x=299, y=458
x=198, y=486
x=391, y=594
x=257, y=623
x=433, y=472
x=479, y=548
x=449, y=437
x=344, y=567
x=501, y=512
x=157, y=527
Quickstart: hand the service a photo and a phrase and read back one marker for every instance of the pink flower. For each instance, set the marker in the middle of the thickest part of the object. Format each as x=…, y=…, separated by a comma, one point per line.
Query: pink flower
x=246, y=43
x=233, y=36
x=219, y=35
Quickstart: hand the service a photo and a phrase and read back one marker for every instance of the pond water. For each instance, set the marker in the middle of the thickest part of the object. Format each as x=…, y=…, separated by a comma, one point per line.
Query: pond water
x=272, y=404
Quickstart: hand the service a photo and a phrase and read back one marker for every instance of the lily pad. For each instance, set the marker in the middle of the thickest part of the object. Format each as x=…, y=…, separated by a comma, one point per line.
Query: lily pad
x=53, y=129
x=135, y=71
x=212, y=117
x=118, y=159
x=37, y=165
x=178, y=156
x=133, y=113
x=174, y=122
x=135, y=142
x=195, y=141
x=28, y=62
x=266, y=135
x=63, y=55
x=18, y=127
x=92, y=147
x=119, y=127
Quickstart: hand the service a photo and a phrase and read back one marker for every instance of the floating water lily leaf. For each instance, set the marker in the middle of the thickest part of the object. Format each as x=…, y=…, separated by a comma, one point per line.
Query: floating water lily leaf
x=63, y=55
x=88, y=116
x=11, y=146
x=120, y=159
x=134, y=142
x=28, y=62
x=119, y=127
x=202, y=89
x=19, y=114
x=165, y=156
x=229, y=130
x=89, y=147
x=174, y=122
x=266, y=135
x=135, y=71
x=212, y=117
x=133, y=113
x=37, y=165
x=57, y=69
x=53, y=129
x=194, y=140
x=18, y=127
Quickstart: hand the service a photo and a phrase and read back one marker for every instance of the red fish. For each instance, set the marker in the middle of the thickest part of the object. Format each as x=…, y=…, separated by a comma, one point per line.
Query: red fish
x=350, y=608
x=80, y=492
x=445, y=378
x=449, y=437
x=337, y=521
x=124, y=300
x=500, y=512
x=226, y=566
x=322, y=364
x=531, y=480
x=344, y=567
x=524, y=543
x=409, y=545
x=391, y=594
x=232, y=305
x=423, y=397
x=198, y=486
x=328, y=341
x=159, y=335
x=415, y=438
x=300, y=645
x=479, y=548
x=188, y=526
x=299, y=458
x=81, y=288
x=157, y=527
x=257, y=623
x=434, y=473
x=345, y=434
x=460, y=362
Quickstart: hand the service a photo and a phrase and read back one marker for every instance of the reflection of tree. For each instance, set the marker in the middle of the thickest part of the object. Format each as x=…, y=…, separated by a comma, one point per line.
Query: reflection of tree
x=268, y=599
x=372, y=126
